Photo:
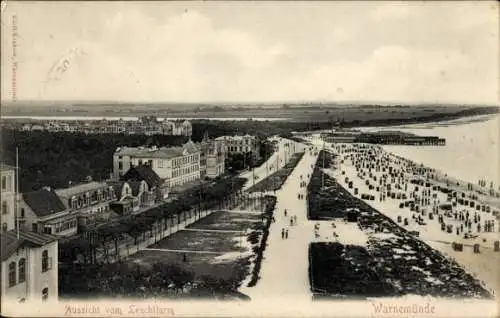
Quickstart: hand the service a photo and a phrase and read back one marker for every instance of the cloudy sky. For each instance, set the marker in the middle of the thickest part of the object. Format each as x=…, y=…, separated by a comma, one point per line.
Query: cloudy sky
x=194, y=52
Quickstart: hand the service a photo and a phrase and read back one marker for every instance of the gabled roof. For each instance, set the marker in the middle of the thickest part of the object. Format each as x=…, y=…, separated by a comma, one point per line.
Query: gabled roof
x=190, y=147
x=143, y=172
x=6, y=167
x=10, y=242
x=43, y=202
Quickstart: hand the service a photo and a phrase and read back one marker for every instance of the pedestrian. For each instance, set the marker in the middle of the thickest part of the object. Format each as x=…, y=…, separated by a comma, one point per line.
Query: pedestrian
x=291, y=221
x=286, y=234
x=285, y=212
x=282, y=233
x=295, y=219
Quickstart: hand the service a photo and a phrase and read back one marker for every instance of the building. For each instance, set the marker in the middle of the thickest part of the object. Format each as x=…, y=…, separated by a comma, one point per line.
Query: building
x=8, y=197
x=126, y=202
x=29, y=259
x=132, y=196
x=29, y=267
x=43, y=212
x=145, y=173
x=89, y=201
x=212, y=157
x=175, y=165
x=241, y=144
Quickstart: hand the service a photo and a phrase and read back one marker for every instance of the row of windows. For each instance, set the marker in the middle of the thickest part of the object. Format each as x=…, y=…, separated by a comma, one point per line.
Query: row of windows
x=247, y=149
x=183, y=171
x=17, y=273
x=21, y=269
x=86, y=199
x=184, y=160
x=60, y=227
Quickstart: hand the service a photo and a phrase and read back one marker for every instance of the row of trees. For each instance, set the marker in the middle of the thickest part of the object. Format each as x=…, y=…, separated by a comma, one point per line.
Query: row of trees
x=123, y=279
x=227, y=191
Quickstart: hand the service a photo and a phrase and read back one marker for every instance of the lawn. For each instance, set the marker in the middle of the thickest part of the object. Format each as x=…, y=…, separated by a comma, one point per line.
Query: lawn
x=199, y=264
x=227, y=221
x=203, y=241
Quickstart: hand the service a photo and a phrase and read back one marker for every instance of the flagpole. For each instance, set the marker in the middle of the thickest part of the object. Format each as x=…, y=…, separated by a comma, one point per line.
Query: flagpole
x=17, y=192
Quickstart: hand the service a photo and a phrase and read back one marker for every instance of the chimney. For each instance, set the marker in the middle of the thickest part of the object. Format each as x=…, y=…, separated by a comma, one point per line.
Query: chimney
x=47, y=188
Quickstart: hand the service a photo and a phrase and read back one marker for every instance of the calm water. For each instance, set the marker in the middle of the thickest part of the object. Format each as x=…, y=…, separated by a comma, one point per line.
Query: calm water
x=472, y=150
x=70, y=118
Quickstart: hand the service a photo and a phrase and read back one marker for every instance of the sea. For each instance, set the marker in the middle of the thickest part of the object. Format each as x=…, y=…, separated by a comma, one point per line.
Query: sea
x=472, y=150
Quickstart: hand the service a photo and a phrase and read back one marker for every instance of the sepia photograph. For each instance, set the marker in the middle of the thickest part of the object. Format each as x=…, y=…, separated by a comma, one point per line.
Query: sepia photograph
x=250, y=159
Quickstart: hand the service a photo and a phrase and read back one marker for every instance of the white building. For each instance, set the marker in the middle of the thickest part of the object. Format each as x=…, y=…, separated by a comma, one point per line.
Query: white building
x=175, y=165
x=29, y=259
x=241, y=144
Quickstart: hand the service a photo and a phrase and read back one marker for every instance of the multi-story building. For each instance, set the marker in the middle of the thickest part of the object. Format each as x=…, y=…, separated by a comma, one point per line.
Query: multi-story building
x=29, y=259
x=212, y=157
x=8, y=197
x=175, y=165
x=241, y=144
x=89, y=201
x=44, y=212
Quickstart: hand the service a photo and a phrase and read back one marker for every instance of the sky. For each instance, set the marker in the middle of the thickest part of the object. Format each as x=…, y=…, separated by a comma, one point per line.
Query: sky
x=408, y=52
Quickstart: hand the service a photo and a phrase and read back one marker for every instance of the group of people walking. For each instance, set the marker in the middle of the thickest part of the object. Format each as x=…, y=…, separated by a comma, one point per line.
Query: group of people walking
x=293, y=221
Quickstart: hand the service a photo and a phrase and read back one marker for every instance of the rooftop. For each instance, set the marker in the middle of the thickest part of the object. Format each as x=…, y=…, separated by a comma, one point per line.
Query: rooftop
x=10, y=242
x=154, y=152
x=84, y=187
x=43, y=202
x=239, y=137
x=6, y=167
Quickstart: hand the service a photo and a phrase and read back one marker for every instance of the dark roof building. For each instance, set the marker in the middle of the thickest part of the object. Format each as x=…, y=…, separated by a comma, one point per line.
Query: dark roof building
x=143, y=172
x=43, y=202
x=10, y=242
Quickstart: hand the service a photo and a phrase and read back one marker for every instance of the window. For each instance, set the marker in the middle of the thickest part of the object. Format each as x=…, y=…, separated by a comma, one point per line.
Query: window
x=12, y=274
x=22, y=212
x=47, y=230
x=22, y=270
x=34, y=227
x=120, y=165
x=45, y=261
x=5, y=208
x=4, y=182
x=4, y=227
x=160, y=163
x=45, y=294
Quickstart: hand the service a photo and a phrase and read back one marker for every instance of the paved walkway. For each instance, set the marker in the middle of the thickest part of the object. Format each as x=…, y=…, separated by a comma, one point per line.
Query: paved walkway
x=284, y=272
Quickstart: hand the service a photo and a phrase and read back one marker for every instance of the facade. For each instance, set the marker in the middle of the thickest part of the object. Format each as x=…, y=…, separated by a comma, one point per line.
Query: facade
x=44, y=212
x=132, y=196
x=175, y=165
x=29, y=259
x=126, y=202
x=29, y=267
x=241, y=144
x=8, y=197
x=212, y=157
x=89, y=201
